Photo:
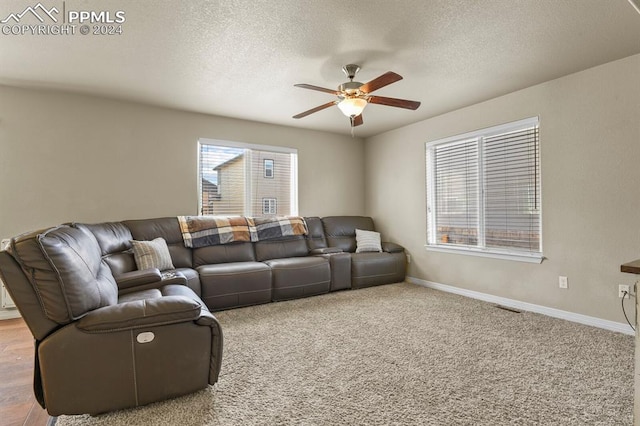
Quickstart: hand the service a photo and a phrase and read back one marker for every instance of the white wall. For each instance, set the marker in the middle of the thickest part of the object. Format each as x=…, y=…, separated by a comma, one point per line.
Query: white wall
x=67, y=157
x=590, y=158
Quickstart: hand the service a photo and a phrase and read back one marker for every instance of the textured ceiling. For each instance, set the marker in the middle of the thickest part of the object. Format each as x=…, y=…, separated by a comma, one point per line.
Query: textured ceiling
x=241, y=58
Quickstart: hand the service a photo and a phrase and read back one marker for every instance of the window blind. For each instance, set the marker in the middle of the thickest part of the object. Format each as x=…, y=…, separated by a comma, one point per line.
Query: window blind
x=483, y=190
x=274, y=185
x=512, y=189
x=236, y=180
x=456, y=192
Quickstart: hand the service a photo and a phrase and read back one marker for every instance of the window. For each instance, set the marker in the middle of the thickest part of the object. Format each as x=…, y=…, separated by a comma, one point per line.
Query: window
x=268, y=169
x=269, y=206
x=483, y=192
x=232, y=179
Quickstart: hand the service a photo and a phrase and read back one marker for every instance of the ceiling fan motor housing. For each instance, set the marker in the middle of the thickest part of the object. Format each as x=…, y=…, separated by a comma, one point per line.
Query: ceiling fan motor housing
x=351, y=88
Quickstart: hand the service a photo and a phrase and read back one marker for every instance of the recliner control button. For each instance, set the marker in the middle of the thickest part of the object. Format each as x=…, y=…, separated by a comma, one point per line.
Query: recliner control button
x=145, y=337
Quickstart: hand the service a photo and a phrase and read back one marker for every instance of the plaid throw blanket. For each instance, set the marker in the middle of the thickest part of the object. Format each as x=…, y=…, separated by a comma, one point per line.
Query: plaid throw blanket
x=201, y=231
x=268, y=228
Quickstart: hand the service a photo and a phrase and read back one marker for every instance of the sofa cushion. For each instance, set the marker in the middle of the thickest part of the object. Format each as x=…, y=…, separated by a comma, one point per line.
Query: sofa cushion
x=152, y=254
x=114, y=239
x=315, y=238
x=64, y=265
x=369, y=269
x=341, y=230
x=281, y=248
x=120, y=263
x=231, y=285
x=223, y=253
x=299, y=277
x=367, y=241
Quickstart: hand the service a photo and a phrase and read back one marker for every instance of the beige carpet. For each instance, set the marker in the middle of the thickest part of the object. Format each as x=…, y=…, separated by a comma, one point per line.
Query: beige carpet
x=403, y=355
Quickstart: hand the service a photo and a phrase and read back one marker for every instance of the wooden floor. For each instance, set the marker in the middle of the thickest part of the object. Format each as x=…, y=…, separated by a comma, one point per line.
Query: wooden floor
x=17, y=403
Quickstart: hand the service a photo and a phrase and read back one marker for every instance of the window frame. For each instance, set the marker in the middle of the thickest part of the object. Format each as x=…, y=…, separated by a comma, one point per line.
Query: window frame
x=270, y=168
x=250, y=146
x=272, y=206
x=500, y=253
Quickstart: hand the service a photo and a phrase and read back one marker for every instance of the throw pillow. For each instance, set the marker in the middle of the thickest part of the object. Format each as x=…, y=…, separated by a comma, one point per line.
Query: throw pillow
x=367, y=241
x=152, y=254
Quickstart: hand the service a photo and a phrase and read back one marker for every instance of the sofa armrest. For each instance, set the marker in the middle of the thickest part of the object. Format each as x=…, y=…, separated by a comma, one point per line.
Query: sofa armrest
x=140, y=313
x=149, y=278
x=138, y=278
x=326, y=250
x=392, y=248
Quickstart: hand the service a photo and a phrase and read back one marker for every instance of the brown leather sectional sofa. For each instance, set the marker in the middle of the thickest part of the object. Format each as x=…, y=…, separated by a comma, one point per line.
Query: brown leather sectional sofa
x=109, y=336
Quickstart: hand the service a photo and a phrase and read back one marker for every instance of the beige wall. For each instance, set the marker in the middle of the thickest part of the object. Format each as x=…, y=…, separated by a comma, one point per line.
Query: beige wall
x=67, y=157
x=590, y=147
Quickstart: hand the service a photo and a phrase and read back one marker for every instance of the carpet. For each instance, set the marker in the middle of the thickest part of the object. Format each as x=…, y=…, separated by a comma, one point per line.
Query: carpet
x=402, y=354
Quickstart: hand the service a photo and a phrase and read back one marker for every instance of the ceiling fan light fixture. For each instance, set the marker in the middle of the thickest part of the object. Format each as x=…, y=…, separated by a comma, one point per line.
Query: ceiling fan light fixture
x=352, y=107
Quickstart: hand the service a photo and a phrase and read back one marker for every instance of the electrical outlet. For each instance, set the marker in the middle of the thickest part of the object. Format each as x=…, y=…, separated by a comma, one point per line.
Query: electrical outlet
x=622, y=289
x=408, y=258
x=563, y=282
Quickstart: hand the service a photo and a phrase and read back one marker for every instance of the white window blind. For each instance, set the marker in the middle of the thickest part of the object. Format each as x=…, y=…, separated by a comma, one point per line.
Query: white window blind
x=233, y=179
x=457, y=187
x=483, y=191
x=512, y=190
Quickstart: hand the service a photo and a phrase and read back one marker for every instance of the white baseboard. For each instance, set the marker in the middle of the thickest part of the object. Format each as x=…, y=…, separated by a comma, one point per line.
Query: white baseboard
x=619, y=327
x=9, y=314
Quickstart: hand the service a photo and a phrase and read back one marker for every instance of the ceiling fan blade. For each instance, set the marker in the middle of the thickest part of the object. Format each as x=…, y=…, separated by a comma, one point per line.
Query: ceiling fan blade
x=319, y=89
x=356, y=121
x=399, y=103
x=316, y=109
x=384, y=80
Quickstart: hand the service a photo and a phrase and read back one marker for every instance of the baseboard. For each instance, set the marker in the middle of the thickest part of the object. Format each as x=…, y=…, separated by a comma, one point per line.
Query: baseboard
x=619, y=327
x=9, y=314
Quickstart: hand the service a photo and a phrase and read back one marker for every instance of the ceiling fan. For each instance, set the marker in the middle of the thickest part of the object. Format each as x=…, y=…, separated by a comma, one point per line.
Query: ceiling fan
x=354, y=96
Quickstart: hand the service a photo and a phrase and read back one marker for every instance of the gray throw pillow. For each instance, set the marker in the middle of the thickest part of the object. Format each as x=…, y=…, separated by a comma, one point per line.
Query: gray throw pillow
x=367, y=241
x=152, y=254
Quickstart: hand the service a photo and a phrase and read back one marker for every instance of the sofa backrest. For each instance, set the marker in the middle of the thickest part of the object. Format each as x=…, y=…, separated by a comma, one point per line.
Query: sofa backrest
x=280, y=248
x=340, y=231
x=315, y=238
x=224, y=253
x=64, y=266
x=114, y=240
x=167, y=228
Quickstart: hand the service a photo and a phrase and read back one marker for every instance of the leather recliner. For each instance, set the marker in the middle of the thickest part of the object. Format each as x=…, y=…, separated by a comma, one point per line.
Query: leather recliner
x=99, y=349
x=367, y=269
